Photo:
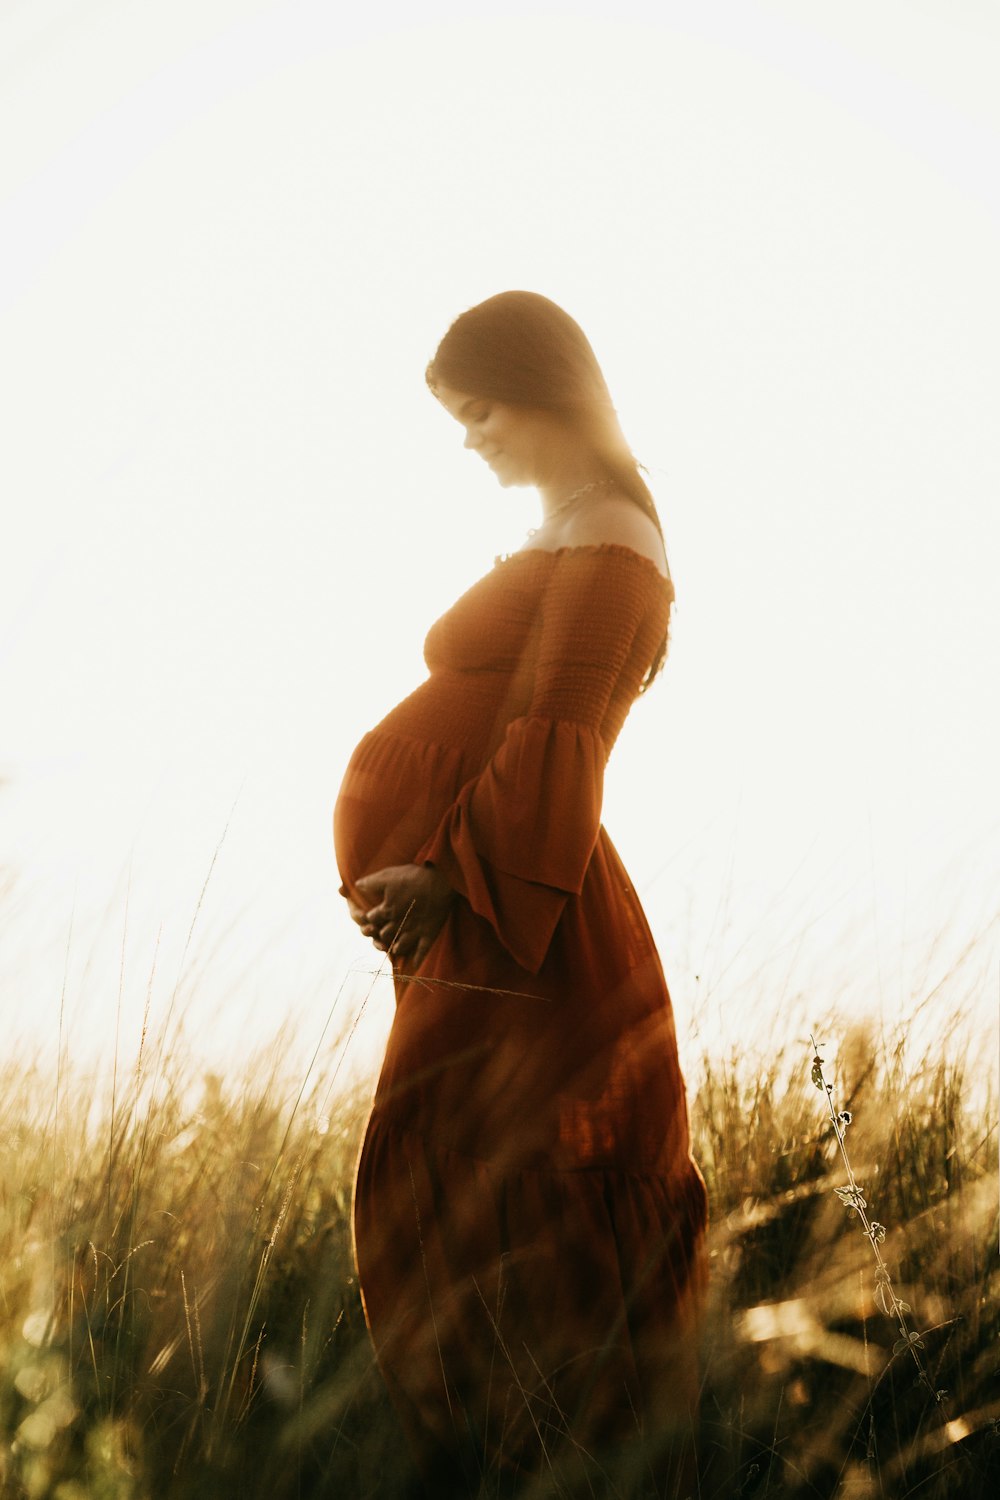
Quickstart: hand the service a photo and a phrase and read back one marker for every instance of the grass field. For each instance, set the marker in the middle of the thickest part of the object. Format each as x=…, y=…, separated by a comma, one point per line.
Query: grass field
x=179, y=1316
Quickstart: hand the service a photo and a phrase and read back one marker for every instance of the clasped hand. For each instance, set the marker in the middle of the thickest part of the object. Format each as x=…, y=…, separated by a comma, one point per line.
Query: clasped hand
x=407, y=908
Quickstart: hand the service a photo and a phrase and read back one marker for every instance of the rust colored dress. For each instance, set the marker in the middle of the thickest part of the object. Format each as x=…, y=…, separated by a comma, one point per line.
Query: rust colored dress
x=529, y=1222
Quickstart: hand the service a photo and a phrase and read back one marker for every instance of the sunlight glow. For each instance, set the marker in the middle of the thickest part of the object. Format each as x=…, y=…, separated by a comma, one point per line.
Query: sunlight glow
x=232, y=234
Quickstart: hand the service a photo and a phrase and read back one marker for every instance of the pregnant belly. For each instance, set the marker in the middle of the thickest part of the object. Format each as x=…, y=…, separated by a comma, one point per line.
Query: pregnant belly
x=394, y=793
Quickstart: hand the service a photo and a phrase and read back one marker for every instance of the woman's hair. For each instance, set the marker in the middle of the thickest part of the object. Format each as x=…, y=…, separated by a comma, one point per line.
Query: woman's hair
x=522, y=349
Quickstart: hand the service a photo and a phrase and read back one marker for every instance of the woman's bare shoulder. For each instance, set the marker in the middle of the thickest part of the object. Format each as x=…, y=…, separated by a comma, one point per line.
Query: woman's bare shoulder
x=617, y=519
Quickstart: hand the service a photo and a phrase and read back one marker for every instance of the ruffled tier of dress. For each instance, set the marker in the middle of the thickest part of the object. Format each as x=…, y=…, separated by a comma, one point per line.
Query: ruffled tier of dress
x=498, y=1267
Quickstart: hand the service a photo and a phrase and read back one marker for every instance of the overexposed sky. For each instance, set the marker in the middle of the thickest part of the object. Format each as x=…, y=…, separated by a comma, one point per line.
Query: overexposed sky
x=231, y=234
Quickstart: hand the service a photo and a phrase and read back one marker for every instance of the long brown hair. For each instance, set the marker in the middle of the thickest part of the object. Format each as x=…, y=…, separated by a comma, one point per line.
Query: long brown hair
x=524, y=350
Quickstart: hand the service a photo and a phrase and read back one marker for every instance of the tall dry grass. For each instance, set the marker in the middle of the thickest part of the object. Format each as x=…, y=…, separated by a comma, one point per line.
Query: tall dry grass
x=179, y=1315
x=809, y=1391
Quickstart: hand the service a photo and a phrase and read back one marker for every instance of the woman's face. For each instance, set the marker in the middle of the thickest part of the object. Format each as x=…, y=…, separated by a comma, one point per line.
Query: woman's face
x=518, y=442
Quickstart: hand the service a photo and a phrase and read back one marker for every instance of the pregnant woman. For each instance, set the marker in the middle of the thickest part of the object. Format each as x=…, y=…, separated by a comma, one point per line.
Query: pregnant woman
x=529, y=1223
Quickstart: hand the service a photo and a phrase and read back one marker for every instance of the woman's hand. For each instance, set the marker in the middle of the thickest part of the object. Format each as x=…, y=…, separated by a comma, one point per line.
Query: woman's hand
x=408, y=906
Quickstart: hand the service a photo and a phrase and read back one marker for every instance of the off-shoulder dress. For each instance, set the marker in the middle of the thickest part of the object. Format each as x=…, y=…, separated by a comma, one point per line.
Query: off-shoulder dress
x=529, y=1222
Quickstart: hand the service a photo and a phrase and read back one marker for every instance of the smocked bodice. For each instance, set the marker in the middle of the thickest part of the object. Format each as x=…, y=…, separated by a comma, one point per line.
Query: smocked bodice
x=566, y=635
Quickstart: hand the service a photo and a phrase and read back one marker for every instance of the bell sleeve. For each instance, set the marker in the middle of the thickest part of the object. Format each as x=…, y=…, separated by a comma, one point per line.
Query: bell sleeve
x=517, y=841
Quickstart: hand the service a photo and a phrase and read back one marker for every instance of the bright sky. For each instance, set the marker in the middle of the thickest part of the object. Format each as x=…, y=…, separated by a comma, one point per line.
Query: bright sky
x=231, y=235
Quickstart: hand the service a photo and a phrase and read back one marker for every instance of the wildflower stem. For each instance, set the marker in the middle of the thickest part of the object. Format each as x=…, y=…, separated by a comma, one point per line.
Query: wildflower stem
x=853, y=1197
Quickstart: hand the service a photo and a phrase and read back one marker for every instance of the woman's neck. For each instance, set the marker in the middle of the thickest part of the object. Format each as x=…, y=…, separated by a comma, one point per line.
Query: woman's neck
x=560, y=492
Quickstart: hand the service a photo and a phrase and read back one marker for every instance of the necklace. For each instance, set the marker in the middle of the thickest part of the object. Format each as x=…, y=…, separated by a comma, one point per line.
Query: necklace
x=564, y=505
